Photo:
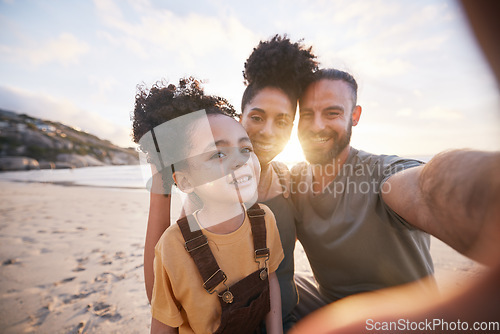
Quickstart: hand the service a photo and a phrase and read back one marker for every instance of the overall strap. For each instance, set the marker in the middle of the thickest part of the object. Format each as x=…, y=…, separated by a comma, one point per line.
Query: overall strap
x=196, y=243
x=258, y=223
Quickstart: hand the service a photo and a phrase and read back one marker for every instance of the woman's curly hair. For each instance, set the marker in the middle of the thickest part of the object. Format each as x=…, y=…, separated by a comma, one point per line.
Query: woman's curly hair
x=281, y=64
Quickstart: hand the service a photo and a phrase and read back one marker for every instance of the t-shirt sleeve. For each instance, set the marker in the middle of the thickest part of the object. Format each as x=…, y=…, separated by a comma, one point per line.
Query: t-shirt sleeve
x=273, y=240
x=164, y=307
x=394, y=165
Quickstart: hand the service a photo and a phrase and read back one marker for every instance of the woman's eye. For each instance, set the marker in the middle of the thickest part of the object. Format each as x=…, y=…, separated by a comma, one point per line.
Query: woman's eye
x=283, y=123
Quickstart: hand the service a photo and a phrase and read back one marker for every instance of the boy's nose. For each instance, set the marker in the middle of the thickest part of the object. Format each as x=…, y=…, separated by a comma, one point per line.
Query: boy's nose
x=239, y=160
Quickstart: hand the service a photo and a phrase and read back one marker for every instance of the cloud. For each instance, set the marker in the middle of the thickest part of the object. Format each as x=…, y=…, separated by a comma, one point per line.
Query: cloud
x=58, y=110
x=439, y=113
x=365, y=10
x=379, y=38
x=404, y=112
x=188, y=36
x=66, y=49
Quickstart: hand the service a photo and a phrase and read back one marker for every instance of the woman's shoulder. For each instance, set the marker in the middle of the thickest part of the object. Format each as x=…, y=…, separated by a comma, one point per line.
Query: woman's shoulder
x=280, y=166
x=298, y=169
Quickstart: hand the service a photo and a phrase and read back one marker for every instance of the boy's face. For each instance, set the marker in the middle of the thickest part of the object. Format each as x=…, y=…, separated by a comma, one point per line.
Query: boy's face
x=223, y=167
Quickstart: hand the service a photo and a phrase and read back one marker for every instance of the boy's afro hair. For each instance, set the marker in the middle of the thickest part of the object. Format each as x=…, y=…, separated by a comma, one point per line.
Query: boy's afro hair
x=163, y=102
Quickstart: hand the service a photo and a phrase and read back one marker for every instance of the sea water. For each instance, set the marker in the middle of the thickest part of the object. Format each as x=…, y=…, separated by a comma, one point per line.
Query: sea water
x=130, y=176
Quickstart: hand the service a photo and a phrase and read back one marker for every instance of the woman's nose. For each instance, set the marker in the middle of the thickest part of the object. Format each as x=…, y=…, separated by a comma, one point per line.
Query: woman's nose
x=267, y=129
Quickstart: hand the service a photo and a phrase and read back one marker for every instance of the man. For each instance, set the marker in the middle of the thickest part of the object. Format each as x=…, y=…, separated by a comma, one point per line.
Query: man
x=363, y=216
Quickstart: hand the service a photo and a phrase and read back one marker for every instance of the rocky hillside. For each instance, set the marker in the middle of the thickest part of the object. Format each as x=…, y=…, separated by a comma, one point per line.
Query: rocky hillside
x=29, y=143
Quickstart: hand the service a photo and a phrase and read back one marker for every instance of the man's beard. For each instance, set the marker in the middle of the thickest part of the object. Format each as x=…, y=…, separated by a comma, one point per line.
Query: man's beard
x=339, y=144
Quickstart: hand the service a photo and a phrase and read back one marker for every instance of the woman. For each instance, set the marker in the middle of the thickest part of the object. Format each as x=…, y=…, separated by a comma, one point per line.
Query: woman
x=273, y=74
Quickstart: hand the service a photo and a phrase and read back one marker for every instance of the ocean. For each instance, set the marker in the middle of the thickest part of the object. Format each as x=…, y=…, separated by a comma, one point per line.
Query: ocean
x=123, y=177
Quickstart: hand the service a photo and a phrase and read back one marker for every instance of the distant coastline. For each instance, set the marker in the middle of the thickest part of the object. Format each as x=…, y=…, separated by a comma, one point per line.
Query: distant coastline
x=28, y=143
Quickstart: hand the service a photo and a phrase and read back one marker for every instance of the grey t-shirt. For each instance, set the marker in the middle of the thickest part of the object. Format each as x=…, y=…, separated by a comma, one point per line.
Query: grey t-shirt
x=353, y=240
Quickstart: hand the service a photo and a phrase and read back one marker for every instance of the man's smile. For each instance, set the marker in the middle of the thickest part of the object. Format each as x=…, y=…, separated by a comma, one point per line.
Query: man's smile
x=319, y=139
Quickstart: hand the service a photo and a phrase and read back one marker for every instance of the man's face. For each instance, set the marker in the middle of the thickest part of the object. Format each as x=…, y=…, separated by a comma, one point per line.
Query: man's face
x=327, y=115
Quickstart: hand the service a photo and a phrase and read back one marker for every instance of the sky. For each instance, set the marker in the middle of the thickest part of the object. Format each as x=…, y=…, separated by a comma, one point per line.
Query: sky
x=424, y=85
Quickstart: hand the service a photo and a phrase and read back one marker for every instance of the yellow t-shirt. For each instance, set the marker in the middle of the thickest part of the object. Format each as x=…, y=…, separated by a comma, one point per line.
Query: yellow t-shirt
x=179, y=299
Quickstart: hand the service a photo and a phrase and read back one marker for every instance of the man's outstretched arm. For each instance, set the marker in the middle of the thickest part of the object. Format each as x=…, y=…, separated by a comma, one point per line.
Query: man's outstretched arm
x=456, y=198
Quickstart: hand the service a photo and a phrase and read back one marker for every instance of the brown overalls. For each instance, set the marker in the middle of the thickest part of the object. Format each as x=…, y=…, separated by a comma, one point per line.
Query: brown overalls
x=245, y=303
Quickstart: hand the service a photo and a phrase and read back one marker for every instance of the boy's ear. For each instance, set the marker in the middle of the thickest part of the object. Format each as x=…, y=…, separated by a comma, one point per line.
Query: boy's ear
x=182, y=181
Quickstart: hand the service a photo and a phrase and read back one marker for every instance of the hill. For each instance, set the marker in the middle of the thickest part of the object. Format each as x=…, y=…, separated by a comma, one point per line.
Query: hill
x=29, y=143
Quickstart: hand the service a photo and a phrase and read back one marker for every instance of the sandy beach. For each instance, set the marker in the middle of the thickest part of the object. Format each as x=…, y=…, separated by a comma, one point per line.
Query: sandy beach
x=71, y=259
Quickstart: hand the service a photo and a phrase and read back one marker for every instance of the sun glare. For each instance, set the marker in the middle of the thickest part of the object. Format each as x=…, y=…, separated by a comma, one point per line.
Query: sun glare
x=292, y=153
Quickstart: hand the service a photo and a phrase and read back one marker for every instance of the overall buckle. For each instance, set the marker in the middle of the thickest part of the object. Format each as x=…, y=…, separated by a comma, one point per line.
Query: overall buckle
x=188, y=243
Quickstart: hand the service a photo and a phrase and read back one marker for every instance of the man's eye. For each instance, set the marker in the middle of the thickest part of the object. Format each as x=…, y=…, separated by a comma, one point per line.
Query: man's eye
x=256, y=118
x=332, y=114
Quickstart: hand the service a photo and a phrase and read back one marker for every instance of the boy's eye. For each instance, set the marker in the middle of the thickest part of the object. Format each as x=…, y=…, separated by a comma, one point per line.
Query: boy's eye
x=246, y=150
x=218, y=155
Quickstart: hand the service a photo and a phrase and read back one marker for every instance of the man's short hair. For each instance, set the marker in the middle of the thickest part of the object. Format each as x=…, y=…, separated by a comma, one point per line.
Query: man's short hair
x=334, y=74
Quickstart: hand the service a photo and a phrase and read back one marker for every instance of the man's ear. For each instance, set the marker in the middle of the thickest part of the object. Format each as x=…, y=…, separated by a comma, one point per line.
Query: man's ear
x=182, y=181
x=356, y=114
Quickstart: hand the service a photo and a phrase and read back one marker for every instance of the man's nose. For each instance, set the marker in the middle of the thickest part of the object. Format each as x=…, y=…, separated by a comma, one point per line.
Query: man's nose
x=317, y=123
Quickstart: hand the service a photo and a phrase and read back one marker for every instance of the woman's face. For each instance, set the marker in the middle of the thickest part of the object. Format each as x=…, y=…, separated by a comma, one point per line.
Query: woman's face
x=268, y=120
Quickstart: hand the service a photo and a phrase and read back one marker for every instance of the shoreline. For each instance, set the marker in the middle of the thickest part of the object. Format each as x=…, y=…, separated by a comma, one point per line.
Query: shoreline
x=75, y=184
x=71, y=259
